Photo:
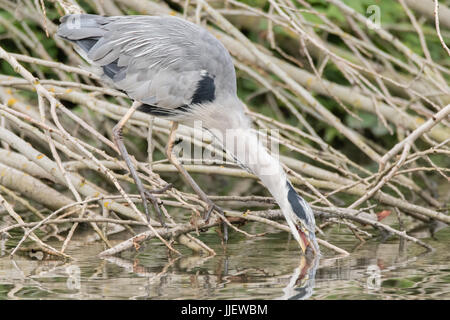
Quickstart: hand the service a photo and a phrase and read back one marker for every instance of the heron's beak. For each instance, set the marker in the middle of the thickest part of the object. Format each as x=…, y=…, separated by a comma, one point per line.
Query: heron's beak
x=303, y=241
x=301, y=221
x=307, y=239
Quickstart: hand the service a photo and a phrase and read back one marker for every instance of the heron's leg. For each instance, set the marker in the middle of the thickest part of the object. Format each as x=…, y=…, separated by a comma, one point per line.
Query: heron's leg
x=186, y=175
x=117, y=137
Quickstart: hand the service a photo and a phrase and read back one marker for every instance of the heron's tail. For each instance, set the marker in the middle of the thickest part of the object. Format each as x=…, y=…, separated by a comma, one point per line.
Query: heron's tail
x=83, y=29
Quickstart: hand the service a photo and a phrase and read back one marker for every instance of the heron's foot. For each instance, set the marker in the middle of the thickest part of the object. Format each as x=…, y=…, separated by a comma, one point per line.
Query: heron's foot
x=211, y=206
x=160, y=190
x=149, y=195
x=209, y=209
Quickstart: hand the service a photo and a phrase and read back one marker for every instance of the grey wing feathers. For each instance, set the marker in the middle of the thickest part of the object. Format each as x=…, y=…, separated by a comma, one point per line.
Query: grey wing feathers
x=155, y=60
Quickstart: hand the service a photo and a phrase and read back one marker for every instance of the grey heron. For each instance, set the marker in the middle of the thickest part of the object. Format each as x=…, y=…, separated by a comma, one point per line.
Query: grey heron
x=178, y=70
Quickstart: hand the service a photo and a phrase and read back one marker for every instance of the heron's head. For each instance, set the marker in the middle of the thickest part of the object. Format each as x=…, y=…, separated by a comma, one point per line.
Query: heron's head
x=301, y=220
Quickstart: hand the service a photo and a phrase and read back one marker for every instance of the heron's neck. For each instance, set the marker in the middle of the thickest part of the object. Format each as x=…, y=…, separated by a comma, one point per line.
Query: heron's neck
x=232, y=127
x=244, y=145
x=249, y=150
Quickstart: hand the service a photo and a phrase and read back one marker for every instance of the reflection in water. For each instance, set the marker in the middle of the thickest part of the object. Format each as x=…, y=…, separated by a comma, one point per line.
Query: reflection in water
x=248, y=269
x=374, y=279
x=3, y=238
x=74, y=280
x=301, y=284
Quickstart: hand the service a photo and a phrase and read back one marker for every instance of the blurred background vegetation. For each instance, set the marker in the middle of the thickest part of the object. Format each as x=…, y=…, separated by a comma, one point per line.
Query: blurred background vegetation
x=393, y=18
x=408, y=86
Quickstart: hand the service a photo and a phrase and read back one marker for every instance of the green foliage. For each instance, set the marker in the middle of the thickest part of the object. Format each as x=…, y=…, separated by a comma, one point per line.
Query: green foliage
x=398, y=283
x=368, y=121
x=392, y=13
x=255, y=3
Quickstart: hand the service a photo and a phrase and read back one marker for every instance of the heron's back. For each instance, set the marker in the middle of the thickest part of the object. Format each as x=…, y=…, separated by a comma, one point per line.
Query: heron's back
x=163, y=61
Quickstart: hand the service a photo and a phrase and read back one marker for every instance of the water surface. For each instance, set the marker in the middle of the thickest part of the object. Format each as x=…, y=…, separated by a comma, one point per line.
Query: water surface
x=258, y=268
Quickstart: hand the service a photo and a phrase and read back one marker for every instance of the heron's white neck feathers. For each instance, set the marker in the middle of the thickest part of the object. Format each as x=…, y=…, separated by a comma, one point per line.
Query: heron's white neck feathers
x=226, y=119
x=245, y=146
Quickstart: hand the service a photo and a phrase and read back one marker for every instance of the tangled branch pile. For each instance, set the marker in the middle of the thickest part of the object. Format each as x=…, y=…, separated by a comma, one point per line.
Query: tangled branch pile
x=362, y=111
